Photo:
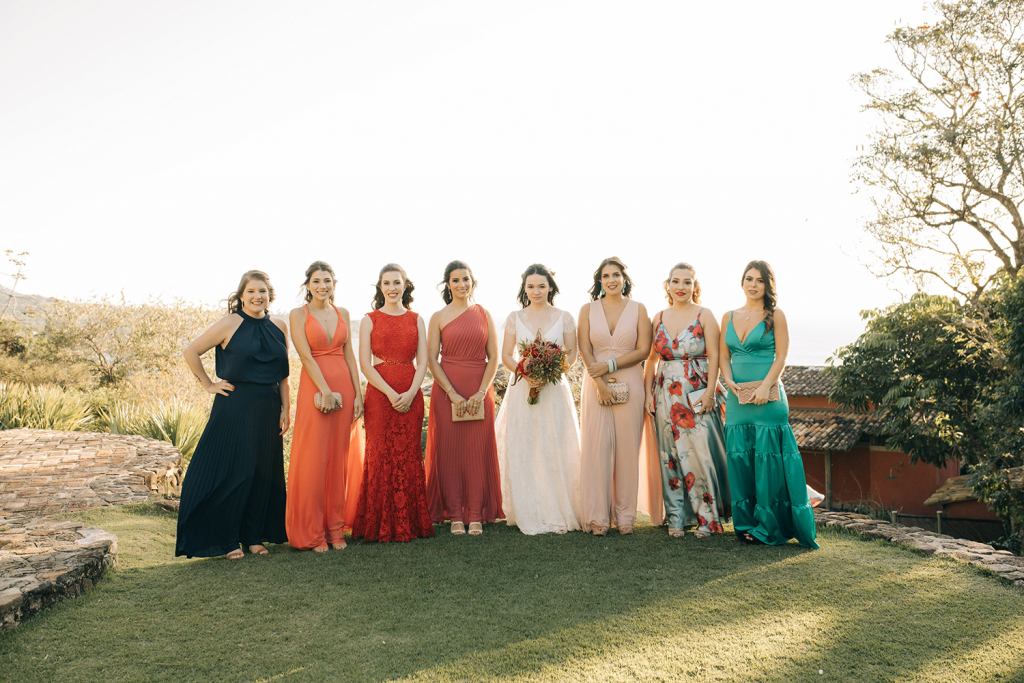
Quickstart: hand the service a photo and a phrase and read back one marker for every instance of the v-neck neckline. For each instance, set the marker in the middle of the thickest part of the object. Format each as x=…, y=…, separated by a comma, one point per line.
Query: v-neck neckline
x=608, y=325
x=696, y=319
x=330, y=337
x=743, y=342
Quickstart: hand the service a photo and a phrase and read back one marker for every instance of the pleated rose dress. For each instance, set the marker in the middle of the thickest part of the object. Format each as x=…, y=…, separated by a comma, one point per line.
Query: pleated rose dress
x=463, y=483
x=326, y=465
x=610, y=435
x=393, y=497
x=234, y=489
x=766, y=472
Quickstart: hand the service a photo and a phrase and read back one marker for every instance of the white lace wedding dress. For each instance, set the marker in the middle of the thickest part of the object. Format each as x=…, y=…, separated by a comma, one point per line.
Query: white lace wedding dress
x=539, y=445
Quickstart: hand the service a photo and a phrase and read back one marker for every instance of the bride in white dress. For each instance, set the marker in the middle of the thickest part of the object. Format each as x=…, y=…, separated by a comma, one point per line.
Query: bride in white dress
x=539, y=445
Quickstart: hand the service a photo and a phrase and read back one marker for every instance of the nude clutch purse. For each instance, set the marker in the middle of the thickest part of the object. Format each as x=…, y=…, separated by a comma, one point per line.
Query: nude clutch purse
x=467, y=416
x=620, y=391
x=747, y=389
x=318, y=399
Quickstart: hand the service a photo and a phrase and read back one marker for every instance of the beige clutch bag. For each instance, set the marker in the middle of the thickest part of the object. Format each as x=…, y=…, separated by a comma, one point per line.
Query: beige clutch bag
x=318, y=399
x=620, y=390
x=747, y=390
x=467, y=416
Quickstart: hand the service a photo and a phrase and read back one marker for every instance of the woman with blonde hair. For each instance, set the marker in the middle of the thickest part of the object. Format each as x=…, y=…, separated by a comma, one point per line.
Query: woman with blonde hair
x=681, y=381
x=326, y=464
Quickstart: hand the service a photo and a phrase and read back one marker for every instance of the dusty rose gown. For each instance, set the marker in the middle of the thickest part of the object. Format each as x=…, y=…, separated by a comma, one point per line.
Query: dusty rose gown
x=610, y=435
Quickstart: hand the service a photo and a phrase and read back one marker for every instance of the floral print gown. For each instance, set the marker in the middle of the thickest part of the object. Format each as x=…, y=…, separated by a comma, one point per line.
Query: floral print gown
x=691, y=448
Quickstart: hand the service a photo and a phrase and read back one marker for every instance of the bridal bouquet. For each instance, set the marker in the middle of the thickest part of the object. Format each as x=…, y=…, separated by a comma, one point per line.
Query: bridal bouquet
x=541, y=360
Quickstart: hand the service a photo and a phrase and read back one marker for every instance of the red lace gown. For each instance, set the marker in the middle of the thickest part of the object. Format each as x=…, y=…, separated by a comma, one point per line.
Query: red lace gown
x=393, y=496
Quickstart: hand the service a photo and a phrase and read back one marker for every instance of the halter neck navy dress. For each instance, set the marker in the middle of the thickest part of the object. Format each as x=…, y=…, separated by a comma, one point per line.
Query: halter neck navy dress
x=234, y=489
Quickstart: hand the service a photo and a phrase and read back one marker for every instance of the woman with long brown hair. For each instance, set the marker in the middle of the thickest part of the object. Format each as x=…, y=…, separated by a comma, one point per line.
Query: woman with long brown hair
x=539, y=444
x=234, y=491
x=614, y=336
x=326, y=464
x=766, y=471
x=392, y=498
x=461, y=456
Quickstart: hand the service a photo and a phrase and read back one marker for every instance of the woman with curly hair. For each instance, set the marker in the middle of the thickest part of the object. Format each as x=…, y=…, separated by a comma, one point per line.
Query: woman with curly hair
x=683, y=397
x=766, y=472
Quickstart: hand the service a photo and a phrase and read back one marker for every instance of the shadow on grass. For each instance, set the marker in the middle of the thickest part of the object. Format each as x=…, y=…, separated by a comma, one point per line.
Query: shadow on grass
x=506, y=606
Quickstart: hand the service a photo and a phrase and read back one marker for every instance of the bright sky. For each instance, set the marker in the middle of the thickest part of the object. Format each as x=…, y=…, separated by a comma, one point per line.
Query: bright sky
x=163, y=148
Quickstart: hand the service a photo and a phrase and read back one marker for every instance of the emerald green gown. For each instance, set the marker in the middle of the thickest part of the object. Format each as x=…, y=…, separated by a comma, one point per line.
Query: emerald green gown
x=766, y=472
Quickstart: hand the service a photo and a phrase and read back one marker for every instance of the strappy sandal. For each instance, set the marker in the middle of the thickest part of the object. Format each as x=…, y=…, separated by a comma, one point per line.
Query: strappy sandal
x=235, y=554
x=701, y=534
x=458, y=528
x=676, y=533
x=475, y=528
x=749, y=538
x=258, y=550
x=599, y=530
x=625, y=530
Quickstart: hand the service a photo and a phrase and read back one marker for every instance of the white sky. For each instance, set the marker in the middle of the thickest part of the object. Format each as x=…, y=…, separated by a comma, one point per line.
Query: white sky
x=163, y=148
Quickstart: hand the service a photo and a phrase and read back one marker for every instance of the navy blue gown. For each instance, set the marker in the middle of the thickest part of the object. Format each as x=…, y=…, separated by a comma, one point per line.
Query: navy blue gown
x=234, y=490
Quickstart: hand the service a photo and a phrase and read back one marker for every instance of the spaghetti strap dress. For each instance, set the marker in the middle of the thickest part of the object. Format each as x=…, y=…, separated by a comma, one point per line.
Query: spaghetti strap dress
x=234, y=489
x=463, y=483
x=766, y=472
x=326, y=464
x=393, y=497
x=691, y=447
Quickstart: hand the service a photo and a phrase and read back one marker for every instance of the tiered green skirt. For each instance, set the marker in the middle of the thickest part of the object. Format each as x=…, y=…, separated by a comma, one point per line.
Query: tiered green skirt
x=766, y=473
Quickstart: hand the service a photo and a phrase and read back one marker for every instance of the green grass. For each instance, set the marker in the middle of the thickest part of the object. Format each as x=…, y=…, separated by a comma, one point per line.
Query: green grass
x=506, y=607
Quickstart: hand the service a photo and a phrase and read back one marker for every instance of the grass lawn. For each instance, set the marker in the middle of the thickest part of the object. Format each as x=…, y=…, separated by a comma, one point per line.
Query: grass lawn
x=508, y=607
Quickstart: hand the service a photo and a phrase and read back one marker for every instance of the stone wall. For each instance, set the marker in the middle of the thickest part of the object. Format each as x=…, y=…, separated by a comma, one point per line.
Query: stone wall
x=42, y=473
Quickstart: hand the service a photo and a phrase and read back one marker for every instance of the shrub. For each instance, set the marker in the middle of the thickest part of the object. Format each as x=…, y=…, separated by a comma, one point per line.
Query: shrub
x=46, y=407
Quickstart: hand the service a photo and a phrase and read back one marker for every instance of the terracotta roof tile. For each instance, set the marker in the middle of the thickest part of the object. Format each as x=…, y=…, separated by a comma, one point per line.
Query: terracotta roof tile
x=833, y=430
x=806, y=380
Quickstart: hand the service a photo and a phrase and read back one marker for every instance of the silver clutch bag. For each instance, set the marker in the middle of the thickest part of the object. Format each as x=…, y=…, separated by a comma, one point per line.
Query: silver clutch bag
x=620, y=391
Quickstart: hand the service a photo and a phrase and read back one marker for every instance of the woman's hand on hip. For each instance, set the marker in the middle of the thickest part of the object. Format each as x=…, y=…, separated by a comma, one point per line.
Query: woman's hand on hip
x=221, y=388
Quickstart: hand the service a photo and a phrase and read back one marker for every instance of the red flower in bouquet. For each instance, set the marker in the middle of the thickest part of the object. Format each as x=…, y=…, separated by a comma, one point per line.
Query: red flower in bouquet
x=689, y=479
x=542, y=360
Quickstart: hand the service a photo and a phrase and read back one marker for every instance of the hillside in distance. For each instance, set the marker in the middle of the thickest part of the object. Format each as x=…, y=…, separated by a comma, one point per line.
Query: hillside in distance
x=28, y=309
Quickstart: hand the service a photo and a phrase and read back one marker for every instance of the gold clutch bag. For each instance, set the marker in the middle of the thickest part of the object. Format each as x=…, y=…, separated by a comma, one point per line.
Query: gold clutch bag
x=466, y=415
x=318, y=399
x=747, y=389
x=620, y=391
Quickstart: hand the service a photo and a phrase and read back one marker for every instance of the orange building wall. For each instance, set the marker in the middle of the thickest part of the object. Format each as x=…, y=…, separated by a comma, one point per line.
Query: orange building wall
x=862, y=475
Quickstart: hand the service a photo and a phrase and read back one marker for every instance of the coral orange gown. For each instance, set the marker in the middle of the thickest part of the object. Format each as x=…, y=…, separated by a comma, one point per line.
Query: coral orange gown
x=327, y=448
